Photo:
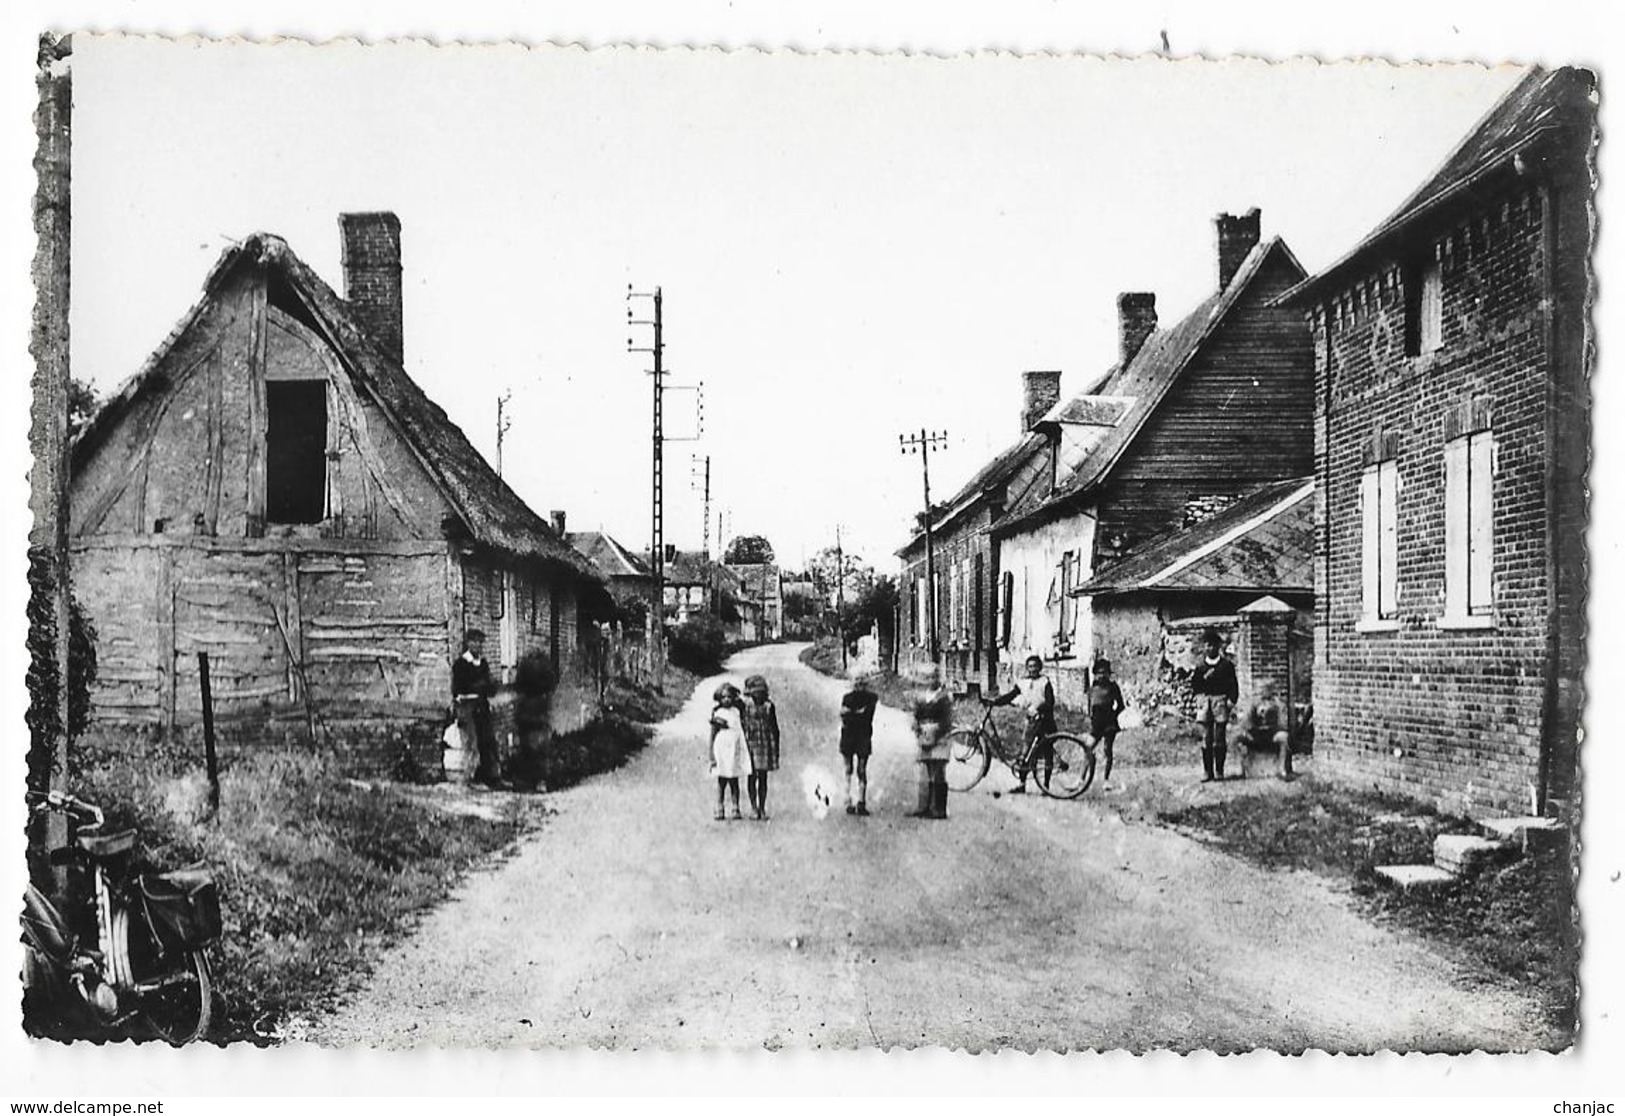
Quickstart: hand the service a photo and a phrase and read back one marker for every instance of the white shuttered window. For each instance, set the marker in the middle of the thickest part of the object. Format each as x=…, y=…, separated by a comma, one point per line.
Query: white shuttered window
x=1469, y=535
x=1379, y=542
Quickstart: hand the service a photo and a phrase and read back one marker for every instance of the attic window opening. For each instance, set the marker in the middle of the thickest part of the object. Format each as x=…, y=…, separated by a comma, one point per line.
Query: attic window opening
x=295, y=451
x=280, y=295
x=1424, y=306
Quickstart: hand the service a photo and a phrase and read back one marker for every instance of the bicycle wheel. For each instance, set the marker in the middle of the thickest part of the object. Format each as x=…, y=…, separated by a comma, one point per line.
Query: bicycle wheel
x=968, y=759
x=1068, y=770
x=177, y=1006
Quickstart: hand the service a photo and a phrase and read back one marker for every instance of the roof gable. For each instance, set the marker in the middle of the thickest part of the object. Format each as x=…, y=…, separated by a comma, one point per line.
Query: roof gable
x=489, y=512
x=1543, y=101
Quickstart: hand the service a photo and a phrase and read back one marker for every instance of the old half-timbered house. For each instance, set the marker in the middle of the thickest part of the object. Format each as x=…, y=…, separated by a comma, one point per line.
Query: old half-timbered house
x=1189, y=419
x=272, y=489
x=1451, y=443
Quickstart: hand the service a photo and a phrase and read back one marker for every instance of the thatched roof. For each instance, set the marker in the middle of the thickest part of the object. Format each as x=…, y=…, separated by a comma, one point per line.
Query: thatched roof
x=485, y=510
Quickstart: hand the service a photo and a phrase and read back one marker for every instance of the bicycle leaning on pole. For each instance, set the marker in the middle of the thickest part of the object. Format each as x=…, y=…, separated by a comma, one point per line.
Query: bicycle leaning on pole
x=124, y=957
x=1061, y=764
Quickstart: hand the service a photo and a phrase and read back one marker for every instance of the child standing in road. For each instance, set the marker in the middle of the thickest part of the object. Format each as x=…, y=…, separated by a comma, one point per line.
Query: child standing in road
x=729, y=756
x=761, y=724
x=857, y=741
x=933, y=719
x=1105, y=703
x=1214, y=684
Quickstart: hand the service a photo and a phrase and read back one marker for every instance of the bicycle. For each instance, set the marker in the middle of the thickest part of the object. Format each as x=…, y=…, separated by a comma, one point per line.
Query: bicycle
x=130, y=954
x=1061, y=764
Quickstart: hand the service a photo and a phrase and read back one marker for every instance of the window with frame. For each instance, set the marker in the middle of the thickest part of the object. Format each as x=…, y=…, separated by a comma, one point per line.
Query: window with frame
x=1007, y=593
x=1424, y=307
x=1469, y=520
x=1379, y=543
x=509, y=617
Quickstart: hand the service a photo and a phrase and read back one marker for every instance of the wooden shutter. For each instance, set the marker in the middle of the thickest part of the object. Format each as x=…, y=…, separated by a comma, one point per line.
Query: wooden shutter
x=1480, y=522
x=1388, y=559
x=1368, y=545
x=1456, y=504
x=1007, y=595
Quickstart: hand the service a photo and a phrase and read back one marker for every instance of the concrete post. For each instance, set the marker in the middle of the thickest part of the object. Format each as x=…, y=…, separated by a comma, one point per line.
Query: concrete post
x=1264, y=659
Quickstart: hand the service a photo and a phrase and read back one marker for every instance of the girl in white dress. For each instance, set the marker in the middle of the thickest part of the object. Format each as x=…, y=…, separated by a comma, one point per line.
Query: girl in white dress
x=730, y=758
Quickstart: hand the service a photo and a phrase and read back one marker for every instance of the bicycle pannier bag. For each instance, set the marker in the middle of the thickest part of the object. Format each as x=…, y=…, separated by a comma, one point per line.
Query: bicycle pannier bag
x=183, y=908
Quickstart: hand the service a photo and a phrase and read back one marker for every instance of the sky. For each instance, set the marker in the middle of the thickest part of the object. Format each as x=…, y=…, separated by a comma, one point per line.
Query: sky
x=850, y=246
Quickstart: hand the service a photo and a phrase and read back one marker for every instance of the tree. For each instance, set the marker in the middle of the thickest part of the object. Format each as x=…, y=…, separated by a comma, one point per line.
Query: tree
x=746, y=550
x=875, y=606
x=82, y=403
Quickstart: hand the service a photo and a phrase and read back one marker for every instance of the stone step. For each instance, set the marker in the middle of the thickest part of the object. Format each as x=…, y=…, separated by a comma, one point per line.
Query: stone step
x=1527, y=833
x=1461, y=853
x=1415, y=877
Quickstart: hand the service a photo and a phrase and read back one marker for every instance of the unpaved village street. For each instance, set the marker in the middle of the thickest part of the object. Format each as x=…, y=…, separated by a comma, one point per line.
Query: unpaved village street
x=632, y=919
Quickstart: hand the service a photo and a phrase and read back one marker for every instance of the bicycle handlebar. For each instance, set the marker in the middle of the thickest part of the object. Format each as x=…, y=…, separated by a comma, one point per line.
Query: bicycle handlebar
x=57, y=802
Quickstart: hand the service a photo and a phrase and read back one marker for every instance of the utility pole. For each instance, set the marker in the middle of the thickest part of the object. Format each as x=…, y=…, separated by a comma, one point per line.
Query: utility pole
x=504, y=423
x=922, y=444
x=657, y=537
x=658, y=440
x=703, y=482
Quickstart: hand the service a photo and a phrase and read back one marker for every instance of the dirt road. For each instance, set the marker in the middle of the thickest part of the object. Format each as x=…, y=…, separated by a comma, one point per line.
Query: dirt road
x=634, y=920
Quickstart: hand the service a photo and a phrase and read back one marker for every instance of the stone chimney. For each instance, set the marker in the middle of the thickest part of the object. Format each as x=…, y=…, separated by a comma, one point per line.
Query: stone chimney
x=557, y=516
x=1136, y=320
x=1237, y=237
x=372, y=276
x=1039, y=392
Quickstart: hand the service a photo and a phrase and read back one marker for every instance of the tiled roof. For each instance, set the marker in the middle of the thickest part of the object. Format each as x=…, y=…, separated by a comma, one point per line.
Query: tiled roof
x=609, y=557
x=1263, y=542
x=1542, y=101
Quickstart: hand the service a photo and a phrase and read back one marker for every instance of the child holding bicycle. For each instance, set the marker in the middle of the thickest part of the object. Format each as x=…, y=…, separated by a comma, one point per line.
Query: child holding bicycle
x=1035, y=697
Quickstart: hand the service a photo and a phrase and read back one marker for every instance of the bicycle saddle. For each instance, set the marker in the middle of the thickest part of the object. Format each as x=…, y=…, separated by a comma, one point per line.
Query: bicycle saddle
x=106, y=846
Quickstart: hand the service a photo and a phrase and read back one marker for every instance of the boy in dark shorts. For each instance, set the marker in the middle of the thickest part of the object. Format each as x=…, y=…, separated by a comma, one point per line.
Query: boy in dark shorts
x=857, y=741
x=1105, y=703
x=1216, y=690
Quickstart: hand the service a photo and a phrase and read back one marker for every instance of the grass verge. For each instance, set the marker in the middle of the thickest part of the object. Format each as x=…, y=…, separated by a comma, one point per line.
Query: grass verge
x=317, y=872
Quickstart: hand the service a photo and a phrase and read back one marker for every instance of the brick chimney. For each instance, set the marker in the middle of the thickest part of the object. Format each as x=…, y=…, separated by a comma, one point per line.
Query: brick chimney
x=1237, y=237
x=1039, y=392
x=372, y=275
x=557, y=516
x=1136, y=320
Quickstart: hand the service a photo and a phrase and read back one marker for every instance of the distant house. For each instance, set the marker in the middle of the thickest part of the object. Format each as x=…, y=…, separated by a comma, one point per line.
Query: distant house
x=1150, y=609
x=626, y=572
x=1452, y=434
x=761, y=584
x=1190, y=419
x=273, y=490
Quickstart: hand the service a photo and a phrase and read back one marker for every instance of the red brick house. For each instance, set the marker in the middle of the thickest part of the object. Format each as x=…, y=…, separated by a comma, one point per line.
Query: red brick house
x=271, y=488
x=963, y=555
x=1191, y=417
x=1451, y=432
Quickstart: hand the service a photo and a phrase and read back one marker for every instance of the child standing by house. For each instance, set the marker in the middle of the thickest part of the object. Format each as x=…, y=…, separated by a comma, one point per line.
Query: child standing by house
x=729, y=755
x=1216, y=690
x=761, y=723
x=933, y=719
x=857, y=741
x=1035, y=697
x=1105, y=703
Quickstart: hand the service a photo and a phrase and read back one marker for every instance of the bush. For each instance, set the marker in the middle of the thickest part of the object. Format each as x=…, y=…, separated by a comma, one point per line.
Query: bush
x=697, y=644
x=534, y=681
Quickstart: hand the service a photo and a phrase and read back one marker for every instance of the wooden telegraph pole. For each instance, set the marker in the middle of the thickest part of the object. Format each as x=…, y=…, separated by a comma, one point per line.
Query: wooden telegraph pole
x=922, y=444
x=840, y=596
